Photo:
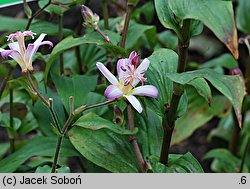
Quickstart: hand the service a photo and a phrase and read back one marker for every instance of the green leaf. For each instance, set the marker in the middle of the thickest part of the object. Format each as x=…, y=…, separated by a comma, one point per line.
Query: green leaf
x=22, y=81
x=202, y=88
x=13, y=24
x=217, y=15
x=77, y=86
x=225, y=61
x=58, y=9
x=177, y=164
x=135, y=31
x=29, y=123
x=242, y=16
x=5, y=119
x=231, y=87
x=104, y=148
x=166, y=16
x=90, y=38
x=38, y=146
x=150, y=133
x=225, y=161
x=43, y=169
x=4, y=147
x=162, y=61
x=168, y=39
x=94, y=122
x=198, y=113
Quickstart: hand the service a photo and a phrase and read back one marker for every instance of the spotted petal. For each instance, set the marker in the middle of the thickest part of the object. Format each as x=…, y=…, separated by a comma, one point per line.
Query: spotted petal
x=134, y=102
x=146, y=90
x=110, y=77
x=121, y=68
x=140, y=71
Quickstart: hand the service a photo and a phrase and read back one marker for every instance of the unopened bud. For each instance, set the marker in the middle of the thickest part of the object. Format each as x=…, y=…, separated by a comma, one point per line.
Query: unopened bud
x=27, y=9
x=117, y=111
x=120, y=25
x=235, y=71
x=89, y=17
x=136, y=61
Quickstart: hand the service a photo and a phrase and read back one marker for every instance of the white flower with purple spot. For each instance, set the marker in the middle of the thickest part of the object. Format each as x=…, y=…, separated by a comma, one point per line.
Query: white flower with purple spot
x=18, y=50
x=130, y=73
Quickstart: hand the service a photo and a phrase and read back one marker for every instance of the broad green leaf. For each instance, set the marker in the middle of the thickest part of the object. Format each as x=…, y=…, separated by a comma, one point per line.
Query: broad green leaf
x=94, y=122
x=39, y=146
x=77, y=86
x=135, y=31
x=90, y=38
x=197, y=114
x=224, y=129
x=225, y=61
x=150, y=133
x=206, y=46
x=4, y=147
x=166, y=16
x=13, y=24
x=47, y=169
x=147, y=10
x=29, y=123
x=5, y=122
x=217, y=15
x=177, y=164
x=243, y=16
x=202, y=88
x=168, y=39
x=231, y=87
x=162, y=61
x=58, y=9
x=105, y=148
x=23, y=81
x=225, y=161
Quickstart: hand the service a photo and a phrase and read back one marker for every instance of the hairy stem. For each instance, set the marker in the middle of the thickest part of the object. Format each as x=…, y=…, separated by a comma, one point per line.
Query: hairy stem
x=168, y=121
x=244, y=155
x=36, y=14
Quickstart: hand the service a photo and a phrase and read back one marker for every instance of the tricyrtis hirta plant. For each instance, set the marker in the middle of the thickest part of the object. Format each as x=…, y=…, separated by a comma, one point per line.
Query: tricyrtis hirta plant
x=130, y=72
x=18, y=51
x=118, y=94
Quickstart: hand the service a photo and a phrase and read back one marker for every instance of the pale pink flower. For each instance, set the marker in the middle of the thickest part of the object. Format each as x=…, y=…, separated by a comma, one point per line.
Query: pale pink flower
x=18, y=50
x=130, y=73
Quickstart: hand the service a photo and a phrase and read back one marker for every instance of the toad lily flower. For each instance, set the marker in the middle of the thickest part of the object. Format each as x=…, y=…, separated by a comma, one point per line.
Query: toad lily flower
x=18, y=50
x=129, y=77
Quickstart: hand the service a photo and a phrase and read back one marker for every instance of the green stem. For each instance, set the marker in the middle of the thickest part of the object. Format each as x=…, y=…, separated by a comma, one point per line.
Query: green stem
x=244, y=155
x=44, y=100
x=58, y=147
x=36, y=14
x=168, y=121
x=105, y=14
x=5, y=80
x=60, y=29
x=11, y=135
x=234, y=142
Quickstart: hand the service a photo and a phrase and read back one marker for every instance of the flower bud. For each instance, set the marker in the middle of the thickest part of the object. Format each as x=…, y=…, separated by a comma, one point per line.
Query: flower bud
x=136, y=61
x=235, y=71
x=89, y=17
